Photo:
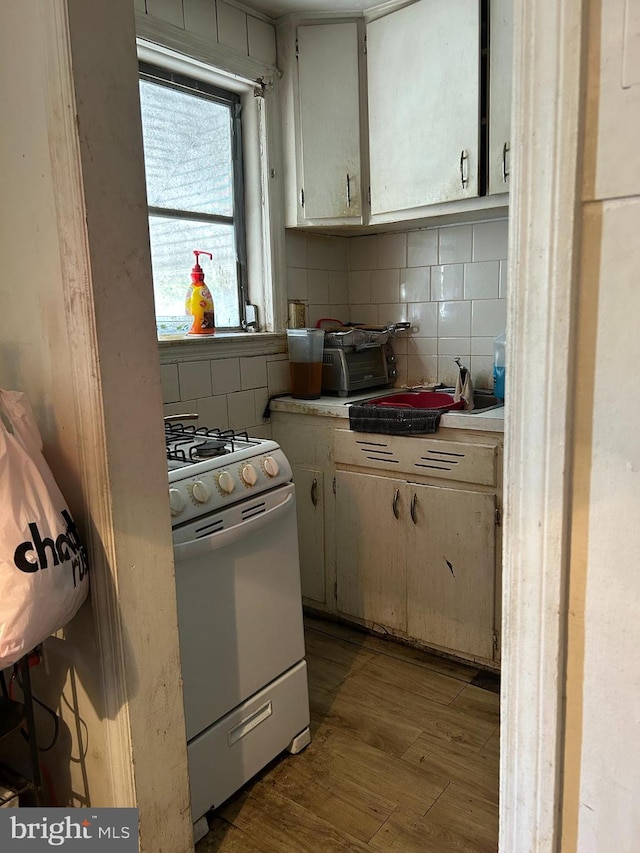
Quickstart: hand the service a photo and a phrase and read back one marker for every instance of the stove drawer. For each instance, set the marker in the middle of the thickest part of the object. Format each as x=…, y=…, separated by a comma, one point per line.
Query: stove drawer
x=234, y=749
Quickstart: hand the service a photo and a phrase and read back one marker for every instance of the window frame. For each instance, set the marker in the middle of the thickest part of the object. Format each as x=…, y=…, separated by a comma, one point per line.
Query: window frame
x=180, y=82
x=257, y=85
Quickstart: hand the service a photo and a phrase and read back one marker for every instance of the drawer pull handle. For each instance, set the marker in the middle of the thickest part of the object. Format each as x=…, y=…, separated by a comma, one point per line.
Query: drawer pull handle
x=396, y=498
x=505, y=174
x=414, y=503
x=249, y=723
x=464, y=157
x=314, y=492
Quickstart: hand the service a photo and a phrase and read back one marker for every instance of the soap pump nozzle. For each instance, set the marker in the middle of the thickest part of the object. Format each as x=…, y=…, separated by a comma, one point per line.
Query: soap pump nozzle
x=197, y=273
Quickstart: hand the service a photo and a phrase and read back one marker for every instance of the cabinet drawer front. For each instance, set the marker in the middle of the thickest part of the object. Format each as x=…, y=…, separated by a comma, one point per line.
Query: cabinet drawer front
x=424, y=457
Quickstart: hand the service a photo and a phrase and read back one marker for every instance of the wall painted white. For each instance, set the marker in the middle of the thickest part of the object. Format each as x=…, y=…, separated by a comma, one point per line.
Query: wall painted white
x=602, y=774
x=78, y=336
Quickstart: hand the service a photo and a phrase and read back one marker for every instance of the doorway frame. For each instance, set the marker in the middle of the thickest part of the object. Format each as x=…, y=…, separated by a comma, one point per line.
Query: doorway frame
x=544, y=245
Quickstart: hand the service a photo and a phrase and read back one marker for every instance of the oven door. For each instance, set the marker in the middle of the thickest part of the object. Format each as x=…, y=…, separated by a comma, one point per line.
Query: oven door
x=239, y=604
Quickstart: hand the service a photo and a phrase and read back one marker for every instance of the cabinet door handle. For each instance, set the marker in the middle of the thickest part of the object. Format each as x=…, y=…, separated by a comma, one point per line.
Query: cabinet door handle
x=396, y=498
x=348, y=191
x=314, y=492
x=505, y=151
x=464, y=178
x=414, y=503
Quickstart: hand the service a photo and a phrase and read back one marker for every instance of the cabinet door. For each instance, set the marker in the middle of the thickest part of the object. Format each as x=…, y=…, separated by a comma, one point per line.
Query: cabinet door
x=370, y=554
x=500, y=71
x=423, y=69
x=310, y=511
x=329, y=109
x=451, y=569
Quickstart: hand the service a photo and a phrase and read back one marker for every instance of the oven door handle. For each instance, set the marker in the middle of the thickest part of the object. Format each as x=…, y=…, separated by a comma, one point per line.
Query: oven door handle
x=197, y=547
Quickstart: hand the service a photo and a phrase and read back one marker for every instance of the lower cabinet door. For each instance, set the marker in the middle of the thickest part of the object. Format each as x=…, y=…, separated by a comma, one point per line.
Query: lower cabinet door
x=309, y=485
x=451, y=568
x=370, y=549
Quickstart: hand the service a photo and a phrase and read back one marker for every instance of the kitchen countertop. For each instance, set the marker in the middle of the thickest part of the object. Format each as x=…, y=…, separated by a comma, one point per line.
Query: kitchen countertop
x=338, y=407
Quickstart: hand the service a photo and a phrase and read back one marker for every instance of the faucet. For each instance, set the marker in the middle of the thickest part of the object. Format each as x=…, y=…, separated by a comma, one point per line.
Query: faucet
x=463, y=370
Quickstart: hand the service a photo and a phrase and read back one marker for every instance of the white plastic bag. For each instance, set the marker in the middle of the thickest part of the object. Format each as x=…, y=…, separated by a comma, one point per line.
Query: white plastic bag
x=43, y=565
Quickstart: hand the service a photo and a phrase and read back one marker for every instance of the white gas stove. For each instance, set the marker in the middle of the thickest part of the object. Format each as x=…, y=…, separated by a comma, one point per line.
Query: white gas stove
x=239, y=607
x=210, y=470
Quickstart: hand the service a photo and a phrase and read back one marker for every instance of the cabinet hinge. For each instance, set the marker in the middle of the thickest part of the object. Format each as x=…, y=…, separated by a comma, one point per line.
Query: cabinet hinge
x=495, y=644
x=364, y=45
x=335, y=591
x=369, y=195
x=302, y=198
x=297, y=50
x=334, y=485
x=498, y=517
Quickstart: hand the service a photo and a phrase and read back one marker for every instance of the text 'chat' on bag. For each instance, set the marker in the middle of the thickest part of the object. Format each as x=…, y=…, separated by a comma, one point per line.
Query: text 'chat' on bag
x=43, y=564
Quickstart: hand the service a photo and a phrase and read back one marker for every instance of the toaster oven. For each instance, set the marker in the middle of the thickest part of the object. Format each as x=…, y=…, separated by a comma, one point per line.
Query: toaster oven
x=346, y=370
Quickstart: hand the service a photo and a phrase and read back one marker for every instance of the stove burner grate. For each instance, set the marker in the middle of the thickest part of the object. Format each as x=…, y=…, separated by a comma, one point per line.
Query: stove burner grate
x=188, y=443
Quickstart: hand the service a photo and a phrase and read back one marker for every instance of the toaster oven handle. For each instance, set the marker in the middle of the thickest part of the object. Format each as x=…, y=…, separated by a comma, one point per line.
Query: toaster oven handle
x=369, y=345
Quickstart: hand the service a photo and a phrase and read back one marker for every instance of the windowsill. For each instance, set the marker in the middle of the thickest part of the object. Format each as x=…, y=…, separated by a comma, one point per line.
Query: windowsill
x=221, y=345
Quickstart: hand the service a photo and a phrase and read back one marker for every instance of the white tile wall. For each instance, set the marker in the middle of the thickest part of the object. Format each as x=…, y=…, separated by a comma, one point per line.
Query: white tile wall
x=200, y=18
x=218, y=21
x=225, y=373
x=253, y=372
x=422, y=248
x=450, y=282
x=455, y=244
x=235, y=394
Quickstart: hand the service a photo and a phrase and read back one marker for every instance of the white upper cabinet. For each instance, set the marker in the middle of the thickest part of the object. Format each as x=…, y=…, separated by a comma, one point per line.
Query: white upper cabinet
x=322, y=124
x=500, y=72
x=423, y=70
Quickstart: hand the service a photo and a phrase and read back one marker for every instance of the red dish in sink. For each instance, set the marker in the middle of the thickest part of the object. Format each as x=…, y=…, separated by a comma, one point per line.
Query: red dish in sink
x=418, y=400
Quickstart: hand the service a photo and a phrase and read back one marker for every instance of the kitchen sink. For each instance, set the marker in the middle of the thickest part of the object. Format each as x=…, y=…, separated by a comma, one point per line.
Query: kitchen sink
x=441, y=399
x=417, y=400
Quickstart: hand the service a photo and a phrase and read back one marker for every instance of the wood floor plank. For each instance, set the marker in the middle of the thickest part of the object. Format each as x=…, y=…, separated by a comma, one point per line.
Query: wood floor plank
x=262, y=812
x=466, y=811
x=349, y=807
x=492, y=746
x=447, y=722
x=407, y=833
x=224, y=837
x=325, y=674
x=416, y=679
x=348, y=654
x=392, y=648
x=369, y=724
x=458, y=762
x=350, y=760
x=482, y=704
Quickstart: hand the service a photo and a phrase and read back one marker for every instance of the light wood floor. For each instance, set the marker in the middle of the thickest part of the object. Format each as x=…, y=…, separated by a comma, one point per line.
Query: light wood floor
x=403, y=758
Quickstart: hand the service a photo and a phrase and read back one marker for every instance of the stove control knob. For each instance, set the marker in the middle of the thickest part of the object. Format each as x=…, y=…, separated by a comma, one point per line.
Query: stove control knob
x=271, y=467
x=201, y=492
x=177, y=501
x=225, y=482
x=249, y=475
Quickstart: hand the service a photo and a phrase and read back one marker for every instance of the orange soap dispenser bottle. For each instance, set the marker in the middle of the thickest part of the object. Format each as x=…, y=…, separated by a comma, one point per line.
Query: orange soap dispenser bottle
x=199, y=302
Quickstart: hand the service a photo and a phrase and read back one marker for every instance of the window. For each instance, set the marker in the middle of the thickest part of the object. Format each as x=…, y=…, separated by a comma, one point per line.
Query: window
x=193, y=164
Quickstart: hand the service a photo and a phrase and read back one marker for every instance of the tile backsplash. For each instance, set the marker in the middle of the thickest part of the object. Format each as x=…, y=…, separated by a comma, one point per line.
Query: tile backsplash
x=227, y=393
x=448, y=282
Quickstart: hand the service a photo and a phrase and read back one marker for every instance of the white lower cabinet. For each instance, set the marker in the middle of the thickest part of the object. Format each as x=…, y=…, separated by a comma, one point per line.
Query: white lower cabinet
x=451, y=569
x=307, y=441
x=417, y=537
x=370, y=550
x=400, y=534
x=309, y=485
x=418, y=559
